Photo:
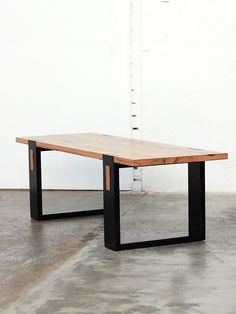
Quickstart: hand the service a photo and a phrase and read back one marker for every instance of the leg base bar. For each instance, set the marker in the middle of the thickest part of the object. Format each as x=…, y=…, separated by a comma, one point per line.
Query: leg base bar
x=153, y=243
x=70, y=214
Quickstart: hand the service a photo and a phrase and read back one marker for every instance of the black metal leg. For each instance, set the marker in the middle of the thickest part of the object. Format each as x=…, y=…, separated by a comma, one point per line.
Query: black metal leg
x=196, y=173
x=36, y=207
x=111, y=203
x=112, y=208
x=35, y=181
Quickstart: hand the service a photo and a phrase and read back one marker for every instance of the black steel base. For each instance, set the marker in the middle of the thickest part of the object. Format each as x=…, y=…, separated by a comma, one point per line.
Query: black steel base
x=35, y=175
x=111, y=211
x=196, y=186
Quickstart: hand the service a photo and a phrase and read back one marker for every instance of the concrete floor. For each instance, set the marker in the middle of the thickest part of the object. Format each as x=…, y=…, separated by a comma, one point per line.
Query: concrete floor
x=62, y=266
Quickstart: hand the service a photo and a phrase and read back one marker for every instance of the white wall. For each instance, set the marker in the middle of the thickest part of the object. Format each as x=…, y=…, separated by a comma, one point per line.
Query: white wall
x=64, y=67
x=189, y=86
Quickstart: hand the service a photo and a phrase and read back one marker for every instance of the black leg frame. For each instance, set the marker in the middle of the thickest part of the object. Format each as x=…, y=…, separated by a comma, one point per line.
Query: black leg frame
x=196, y=213
x=111, y=211
x=35, y=176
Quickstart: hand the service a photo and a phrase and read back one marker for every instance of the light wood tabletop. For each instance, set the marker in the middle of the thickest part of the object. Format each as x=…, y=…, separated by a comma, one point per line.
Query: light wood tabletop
x=126, y=151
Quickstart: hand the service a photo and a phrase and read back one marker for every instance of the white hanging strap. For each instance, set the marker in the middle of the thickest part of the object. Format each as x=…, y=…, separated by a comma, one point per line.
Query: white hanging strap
x=135, y=81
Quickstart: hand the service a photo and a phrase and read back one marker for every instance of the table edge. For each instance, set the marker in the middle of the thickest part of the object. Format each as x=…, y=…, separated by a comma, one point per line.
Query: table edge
x=130, y=162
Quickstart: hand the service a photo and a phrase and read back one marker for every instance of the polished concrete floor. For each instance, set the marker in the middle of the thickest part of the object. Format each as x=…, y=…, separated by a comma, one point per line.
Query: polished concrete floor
x=62, y=266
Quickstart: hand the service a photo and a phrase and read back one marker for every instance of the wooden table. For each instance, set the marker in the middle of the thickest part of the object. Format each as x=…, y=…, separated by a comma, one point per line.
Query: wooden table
x=118, y=152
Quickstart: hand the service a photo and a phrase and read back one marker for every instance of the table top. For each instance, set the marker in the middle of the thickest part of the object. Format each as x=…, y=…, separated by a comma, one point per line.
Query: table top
x=126, y=151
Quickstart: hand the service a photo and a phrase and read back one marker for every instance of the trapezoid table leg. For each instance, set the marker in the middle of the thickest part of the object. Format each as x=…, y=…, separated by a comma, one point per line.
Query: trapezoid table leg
x=35, y=180
x=112, y=236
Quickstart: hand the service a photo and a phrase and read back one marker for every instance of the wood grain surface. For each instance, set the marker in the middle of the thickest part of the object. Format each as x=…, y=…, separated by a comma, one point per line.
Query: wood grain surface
x=126, y=151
